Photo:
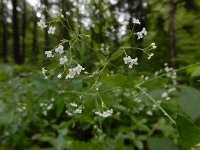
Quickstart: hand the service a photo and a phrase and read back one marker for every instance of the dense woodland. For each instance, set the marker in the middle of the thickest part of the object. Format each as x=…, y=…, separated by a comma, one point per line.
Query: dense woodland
x=103, y=27
x=172, y=23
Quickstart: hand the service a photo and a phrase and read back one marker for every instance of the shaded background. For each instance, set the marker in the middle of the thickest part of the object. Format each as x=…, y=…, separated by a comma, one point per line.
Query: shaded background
x=174, y=25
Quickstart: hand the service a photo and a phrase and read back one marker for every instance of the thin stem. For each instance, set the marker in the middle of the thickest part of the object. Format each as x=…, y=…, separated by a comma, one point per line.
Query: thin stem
x=156, y=103
x=176, y=70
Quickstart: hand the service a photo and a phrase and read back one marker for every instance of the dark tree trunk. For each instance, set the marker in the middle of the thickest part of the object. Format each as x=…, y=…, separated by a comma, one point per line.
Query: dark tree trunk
x=172, y=46
x=34, y=51
x=4, y=34
x=46, y=29
x=63, y=30
x=16, y=40
x=23, y=30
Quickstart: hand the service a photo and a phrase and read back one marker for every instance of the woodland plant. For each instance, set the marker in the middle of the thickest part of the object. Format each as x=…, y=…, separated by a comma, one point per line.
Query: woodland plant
x=104, y=84
x=104, y=102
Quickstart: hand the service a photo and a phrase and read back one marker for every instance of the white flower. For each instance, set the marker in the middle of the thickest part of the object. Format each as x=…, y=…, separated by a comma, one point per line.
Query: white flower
x=59, y=76
x=78, y=111
x=50, y=106
x=130, y=62
x=149, y=112
x=105, y=114
x=42, y=24
x=49, y=54
x=171, y=90
x=142, y=33
x=74, y=71
x=136, y=21
x=44, y=71
x=60, y=49
x=68, y=113
x=78, y=69
x=71, y=74
x=73, y=104
x=150, y=55
x=153, y=45
x=63, y=60
x=52, y=30
x=164, y=94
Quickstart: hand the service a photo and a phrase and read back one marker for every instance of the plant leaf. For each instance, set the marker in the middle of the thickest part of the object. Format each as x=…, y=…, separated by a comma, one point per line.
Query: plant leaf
x=116, y=54
x=189, y=132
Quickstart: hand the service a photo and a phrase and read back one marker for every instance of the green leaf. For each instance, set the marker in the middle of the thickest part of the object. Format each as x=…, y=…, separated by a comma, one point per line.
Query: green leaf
x=120, y=80
x=161, y=144
x=60, y=107
x=189, y=132
x=116, y=55
x=189, y=101
x=194, y=71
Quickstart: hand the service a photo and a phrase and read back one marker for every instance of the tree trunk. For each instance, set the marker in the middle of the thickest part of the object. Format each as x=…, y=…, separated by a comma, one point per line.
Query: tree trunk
x=16, y=40
x=172, y=46
x=23, y=31
x=46, y=29
x=34, y=51
x=4, y=35
x=64, y=32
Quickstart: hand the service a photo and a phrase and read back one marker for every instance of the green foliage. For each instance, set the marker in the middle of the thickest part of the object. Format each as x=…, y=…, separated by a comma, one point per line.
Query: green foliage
x=189, y=133
x=164, y=144
x=189, y=101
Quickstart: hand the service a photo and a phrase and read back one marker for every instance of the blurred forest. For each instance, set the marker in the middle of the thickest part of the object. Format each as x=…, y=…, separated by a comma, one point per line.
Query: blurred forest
x=174, y=25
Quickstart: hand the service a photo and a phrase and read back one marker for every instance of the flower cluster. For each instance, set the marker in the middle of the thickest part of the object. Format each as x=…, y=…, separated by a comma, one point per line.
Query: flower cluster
x=62, y=61
x=130, y=62
x=136, y=21
x=142, y=33
x=42, y=25
x=21, y=107
x=46, y=107
x=105, y=114
x=74, y=71
x=51, y=29
x=73, y=108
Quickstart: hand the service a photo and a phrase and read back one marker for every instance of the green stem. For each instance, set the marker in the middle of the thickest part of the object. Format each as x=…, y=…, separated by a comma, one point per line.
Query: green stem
x=156, y=103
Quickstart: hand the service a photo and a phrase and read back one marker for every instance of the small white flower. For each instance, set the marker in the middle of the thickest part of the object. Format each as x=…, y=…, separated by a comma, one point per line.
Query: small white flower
x=105, y=114
x=78, y=69
x=130, y=62
x=42, y=24
x=149, y=112
x=71, y=74
x=136, y=21
x=44, y=71
x=63, y=60
x=49, y=54
x=68, y=113
x=73, y=104
x=146, y=78
x=59, y=76
x=74, y=71
x=153, y=45
x=78, y=111
x=52, y=30
x=60, y=49
x=150, y=55
x=50, y=106
x=142, y=33
x=164, y=94
x=171, y=90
